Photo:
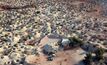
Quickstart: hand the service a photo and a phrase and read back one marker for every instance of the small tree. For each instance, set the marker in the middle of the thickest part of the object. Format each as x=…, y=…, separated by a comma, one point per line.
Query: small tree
x=99, y=53
x=75, y=41
x=88, y=59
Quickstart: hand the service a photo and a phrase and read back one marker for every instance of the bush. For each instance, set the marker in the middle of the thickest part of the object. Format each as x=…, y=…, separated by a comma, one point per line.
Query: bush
x=88, y=59
x=99, y=53
x=75, y=41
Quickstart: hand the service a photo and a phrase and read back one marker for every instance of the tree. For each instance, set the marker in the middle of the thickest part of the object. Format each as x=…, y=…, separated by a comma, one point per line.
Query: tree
x=88, y=59
x=75, y=41
x=99, y=53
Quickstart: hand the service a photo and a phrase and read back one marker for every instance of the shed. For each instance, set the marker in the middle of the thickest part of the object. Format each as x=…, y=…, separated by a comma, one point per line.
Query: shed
x=65, y=42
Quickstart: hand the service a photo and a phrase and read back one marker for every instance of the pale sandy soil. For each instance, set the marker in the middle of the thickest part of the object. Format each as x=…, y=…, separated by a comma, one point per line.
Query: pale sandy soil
x=68, y=57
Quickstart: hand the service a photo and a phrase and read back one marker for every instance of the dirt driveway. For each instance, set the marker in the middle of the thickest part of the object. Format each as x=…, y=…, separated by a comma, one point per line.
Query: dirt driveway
x=68, y=57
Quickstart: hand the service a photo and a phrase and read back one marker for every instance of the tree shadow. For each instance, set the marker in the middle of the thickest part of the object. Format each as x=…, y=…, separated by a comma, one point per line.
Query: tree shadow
x=80, y=63
x=25, y=63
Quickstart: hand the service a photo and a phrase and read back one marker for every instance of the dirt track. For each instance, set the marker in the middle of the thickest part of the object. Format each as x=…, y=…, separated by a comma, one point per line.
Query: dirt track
x=68, y=57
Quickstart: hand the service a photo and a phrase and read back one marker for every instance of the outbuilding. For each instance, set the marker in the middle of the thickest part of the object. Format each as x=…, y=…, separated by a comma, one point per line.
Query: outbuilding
x=65, y=42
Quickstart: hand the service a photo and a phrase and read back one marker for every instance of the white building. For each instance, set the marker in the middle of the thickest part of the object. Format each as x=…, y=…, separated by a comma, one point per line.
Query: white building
x=65, y=42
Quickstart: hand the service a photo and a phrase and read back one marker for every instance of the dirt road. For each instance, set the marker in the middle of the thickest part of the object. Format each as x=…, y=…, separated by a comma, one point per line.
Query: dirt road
x=68, y=57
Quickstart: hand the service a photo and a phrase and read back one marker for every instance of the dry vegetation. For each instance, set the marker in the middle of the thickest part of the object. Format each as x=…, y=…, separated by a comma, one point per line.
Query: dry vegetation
x=25, y=24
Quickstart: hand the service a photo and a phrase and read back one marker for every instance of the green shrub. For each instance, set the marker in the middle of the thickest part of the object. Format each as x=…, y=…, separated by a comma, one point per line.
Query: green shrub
x=99, y=53
x=88, y=59
x=75, y=41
